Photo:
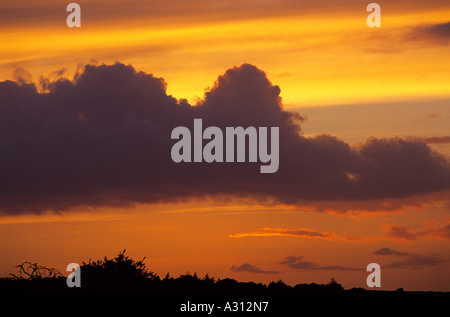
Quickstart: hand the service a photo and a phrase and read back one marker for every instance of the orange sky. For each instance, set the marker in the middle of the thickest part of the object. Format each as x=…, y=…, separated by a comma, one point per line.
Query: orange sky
x=313, y=56
x=202, y=238
x=324, y=58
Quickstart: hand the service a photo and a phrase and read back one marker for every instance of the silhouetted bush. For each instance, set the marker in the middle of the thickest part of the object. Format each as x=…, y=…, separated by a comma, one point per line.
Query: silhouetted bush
x=118, y=276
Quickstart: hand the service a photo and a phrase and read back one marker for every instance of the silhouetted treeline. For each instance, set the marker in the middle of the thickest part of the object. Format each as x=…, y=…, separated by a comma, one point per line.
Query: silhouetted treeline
x=123, y=276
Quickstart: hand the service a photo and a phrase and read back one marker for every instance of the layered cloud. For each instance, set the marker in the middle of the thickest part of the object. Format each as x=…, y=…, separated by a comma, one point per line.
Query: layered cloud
x=104, y=139
x=401, y=260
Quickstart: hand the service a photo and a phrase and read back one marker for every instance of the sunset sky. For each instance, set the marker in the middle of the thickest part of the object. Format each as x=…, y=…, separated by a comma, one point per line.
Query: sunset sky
x=364, y=116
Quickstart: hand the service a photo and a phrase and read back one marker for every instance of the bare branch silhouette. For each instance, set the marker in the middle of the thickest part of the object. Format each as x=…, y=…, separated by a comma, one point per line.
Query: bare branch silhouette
x=32, y=271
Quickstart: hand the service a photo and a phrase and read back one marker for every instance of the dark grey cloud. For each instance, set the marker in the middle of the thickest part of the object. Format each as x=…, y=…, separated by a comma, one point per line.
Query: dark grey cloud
x=297, y=262
x=104, y=139
x=439, y=32
x=411, y=260
x=250, y=268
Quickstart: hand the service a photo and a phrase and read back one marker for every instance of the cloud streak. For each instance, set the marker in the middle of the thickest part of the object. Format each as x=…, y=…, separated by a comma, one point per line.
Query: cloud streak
x=103, y=139
x=437, y=140
x=273, y=232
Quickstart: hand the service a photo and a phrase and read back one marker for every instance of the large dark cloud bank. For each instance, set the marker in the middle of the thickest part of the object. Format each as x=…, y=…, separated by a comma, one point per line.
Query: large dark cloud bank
x=104, y=139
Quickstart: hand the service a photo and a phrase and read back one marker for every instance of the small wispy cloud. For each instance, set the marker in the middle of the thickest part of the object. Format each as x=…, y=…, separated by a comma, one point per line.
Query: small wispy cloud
x=389, y=251
x=246, y=267
x=297, y=262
